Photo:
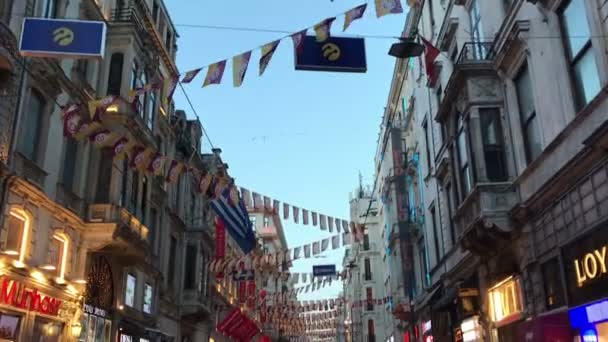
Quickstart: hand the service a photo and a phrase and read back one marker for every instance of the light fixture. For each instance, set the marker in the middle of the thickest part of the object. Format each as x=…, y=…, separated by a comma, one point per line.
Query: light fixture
x=406, y=48
x=38, y=276
x=51, y=329
x=60, y=280
x=72, y=290
x=11, y=252
x=76, y=329
x=120, y=307
x=112, y=109
x=18, y=264
x=48, y=267
x=80, y=281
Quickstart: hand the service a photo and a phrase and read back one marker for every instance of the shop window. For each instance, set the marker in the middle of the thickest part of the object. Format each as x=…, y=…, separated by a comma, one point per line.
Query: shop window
x=95, y=328
x=9, y=327
x=148, y=292
x=493, y=144
x=17, y=234
x=554, y=293
x=126, y=338
x=130, y=290
x=580, y=51
x=32, y=126
x=505, y=301
x=57, y=255
x=47, y=330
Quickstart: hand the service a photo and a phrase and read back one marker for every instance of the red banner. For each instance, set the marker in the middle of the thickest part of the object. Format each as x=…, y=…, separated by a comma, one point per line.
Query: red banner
x=251, y=294
x=220, y=239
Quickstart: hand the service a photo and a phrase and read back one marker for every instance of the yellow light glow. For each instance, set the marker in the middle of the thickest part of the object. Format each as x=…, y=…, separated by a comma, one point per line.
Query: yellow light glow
x=162, y=111
x=60, y=281
x=23, y=216
x=80, y=281
x=64, y=254
x=18, y=264
x=120, y=307
x=11, y=252
x=112, y=109
x=502, y=282
x=71, y=289
x=38, y=276
x=48, y=267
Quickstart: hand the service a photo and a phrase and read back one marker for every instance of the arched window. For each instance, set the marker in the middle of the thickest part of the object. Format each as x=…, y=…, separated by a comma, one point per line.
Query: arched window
x=115, y=74
x=17, y=234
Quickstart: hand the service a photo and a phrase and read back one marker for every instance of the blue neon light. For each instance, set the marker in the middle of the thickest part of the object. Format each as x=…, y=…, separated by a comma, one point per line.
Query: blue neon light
x=583, y=316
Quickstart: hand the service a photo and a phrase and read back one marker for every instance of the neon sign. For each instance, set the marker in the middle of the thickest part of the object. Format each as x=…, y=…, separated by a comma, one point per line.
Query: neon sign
x=591, y=266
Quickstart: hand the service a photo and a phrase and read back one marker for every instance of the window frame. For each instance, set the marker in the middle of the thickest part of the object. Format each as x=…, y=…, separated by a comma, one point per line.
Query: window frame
x=527, y=120
x=499, y=147
x=21, y=215
x=130, y=275
x=148, y=311
x=463, y=132
x=59, y=267
x=574, y=58
x=429, y=165
x=70, y=161
x=37, y=130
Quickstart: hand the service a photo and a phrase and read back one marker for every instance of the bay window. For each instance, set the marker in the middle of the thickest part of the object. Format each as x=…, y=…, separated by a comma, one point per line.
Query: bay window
x=464, y=166
x=493, y=144
x=579, y=51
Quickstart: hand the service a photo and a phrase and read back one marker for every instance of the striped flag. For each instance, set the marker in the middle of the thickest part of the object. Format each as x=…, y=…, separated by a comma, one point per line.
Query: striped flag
x=215, y=73
x=267, y=52
x=322, y=29
x=236, y=219
x=239, y=68
x=190, y=75
x=384, y=7
x=353, y=14
x=298, y=41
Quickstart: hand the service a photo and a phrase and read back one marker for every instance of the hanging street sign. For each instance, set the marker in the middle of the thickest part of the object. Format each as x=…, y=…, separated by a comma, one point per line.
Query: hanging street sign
x=334, y=54
x=41, y=37
x=323, y=270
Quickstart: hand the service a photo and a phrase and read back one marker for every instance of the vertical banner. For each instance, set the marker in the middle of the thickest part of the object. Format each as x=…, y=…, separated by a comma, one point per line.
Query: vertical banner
x=220, y=242
x=251, y=294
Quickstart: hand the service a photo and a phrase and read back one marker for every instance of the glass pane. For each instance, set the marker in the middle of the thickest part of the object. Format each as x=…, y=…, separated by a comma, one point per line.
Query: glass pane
x=91, y=328
x=130, y=290
x=54, y=256
x=99, y=330
x=525, y=95
x=147, y=298
x=69, y=165
x=31, y=127
x=490, y=126
x=462, y=148
x=8, y=327
x=466, y=180
x=587, y=78
x=84, y=319
x=576, y=27
x=532, y=136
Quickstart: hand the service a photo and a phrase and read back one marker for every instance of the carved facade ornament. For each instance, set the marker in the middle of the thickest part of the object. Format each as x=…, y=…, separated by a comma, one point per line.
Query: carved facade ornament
x=483, y=89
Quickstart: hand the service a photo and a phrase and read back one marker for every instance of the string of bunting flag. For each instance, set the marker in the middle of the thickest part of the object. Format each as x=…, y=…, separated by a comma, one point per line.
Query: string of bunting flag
x=240, y=62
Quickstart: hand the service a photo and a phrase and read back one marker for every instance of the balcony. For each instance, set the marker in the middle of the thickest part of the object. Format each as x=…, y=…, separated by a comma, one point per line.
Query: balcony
x=483, y=218
x=138, y=15
x=473, y=79
x=123, y=117
x=196, y=307
x=111, y=225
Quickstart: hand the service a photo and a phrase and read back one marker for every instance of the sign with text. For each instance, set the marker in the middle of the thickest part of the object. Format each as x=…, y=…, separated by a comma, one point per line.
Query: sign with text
x=15, y=293
x=41, y=37
x=323, y=270
x=334, y=54
x=585, y=266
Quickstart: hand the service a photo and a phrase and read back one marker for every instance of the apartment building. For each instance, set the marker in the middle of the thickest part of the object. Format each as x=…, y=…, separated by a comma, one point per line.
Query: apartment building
x=364, y=286
x=112, y=254
x=511, y=143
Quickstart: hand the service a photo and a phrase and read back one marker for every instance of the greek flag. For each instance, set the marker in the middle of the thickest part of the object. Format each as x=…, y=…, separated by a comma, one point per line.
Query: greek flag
x=236, y=219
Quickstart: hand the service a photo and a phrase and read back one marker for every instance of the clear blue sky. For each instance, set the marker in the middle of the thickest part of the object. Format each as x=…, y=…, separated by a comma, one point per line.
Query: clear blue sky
x=298, y=136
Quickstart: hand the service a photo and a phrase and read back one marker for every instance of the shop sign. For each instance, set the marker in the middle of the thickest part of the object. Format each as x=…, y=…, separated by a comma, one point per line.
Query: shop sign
x=586, y=315
x=15, y=293
x=93, y=310
x=586, y=267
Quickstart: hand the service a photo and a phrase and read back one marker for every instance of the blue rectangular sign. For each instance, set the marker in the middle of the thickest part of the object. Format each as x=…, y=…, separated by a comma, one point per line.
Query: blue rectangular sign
x=42, y=37
x=323, y=270
x=334, y=54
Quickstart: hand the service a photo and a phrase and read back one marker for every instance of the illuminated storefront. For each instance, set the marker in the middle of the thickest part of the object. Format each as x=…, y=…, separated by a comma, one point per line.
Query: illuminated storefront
x=585, y=264
x=505, y=307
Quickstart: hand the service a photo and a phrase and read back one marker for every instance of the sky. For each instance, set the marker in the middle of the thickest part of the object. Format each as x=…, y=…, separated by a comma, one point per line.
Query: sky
x=300, y=137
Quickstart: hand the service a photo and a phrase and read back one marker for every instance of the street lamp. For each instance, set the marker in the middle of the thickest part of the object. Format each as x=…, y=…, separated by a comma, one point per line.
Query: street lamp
x=406, y=48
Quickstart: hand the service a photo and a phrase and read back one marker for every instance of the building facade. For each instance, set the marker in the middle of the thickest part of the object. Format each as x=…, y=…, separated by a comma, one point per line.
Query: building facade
x=510, y=140
x=91, y=249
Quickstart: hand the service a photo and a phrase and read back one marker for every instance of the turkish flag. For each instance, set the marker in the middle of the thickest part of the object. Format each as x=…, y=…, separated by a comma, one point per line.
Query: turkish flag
x=430, y=55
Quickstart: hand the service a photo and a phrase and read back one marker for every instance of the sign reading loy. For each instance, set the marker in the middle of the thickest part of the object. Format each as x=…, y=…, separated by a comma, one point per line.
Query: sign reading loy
x=62, y=38
x=323, y=270
x=586, y=267
x=334, y=54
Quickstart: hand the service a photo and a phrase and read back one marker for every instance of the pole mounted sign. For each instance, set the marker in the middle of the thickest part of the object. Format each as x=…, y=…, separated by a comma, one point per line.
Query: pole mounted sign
x=323, y=270
x=41, y=37
x=334, y=54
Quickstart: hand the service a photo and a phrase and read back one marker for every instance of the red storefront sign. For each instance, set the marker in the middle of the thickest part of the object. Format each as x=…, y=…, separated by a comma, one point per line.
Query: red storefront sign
x=15, y=293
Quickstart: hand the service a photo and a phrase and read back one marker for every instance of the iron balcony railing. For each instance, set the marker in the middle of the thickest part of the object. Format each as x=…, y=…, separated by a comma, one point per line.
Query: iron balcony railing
x=476, y=52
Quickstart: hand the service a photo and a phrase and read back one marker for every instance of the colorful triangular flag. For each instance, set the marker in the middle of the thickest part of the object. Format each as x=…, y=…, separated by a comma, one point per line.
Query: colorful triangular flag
x=353, y=14
x=384, y=7
x=267, y=52
x=322, y=29
x=239, y=68
x=215, y=73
